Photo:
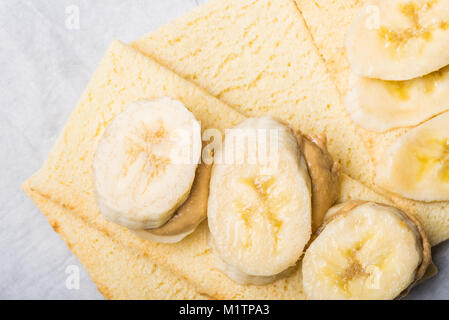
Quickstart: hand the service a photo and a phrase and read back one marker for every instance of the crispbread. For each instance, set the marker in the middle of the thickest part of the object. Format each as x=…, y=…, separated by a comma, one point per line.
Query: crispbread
x=258, y=57
x=328, y=21
x=125, y=75
x=119, y=273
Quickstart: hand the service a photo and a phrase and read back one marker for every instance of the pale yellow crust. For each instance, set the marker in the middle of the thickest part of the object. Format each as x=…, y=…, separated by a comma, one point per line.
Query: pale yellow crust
x=118, y=272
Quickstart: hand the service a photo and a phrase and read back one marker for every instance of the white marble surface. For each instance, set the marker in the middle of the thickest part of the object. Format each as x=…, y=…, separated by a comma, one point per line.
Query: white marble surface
x=45, y=64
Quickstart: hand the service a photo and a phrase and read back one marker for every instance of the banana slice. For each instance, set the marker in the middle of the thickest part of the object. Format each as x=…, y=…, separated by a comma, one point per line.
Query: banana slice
x=416, y=166
x=259, y=212
x=145, y=163
x=399, y=39
x=379, y=105
x=188, y=216
x=365, y=250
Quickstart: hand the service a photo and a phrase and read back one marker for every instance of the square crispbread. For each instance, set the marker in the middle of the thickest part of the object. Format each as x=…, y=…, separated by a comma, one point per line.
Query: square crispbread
x=125, y=75
x=328, y=21
x=119, y=273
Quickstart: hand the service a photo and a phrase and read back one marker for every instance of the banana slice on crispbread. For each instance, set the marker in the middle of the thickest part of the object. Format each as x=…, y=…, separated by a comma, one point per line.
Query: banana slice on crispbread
x=365, y=250
x=66, y=177
x=260, y=209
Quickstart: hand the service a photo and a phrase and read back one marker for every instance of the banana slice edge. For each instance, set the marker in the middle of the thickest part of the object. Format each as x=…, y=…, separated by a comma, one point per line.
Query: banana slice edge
x=380, y=106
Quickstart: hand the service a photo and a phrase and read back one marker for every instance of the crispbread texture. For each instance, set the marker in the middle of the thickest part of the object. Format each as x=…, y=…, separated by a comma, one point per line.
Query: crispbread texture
x=119, y=272
x=259, y=58
x=123, y=76
x=328, y=22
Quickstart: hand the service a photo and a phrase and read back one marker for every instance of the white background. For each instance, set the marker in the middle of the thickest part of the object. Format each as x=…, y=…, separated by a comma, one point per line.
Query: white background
x=45, y=65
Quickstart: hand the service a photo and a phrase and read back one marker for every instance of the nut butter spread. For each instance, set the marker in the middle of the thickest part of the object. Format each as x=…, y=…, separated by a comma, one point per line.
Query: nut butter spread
x=324, y=173
x=193, y=211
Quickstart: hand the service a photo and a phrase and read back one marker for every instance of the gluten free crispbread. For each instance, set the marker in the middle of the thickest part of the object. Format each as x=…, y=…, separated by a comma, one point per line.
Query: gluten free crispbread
x=65, y=179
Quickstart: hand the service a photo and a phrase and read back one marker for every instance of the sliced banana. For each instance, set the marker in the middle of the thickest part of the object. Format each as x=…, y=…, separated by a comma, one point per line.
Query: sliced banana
x=416, y=166
x=188, y=216
x=145, y=163
x=399, y=39
x=365, y=250
x=259, y=213
x=379, y=105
